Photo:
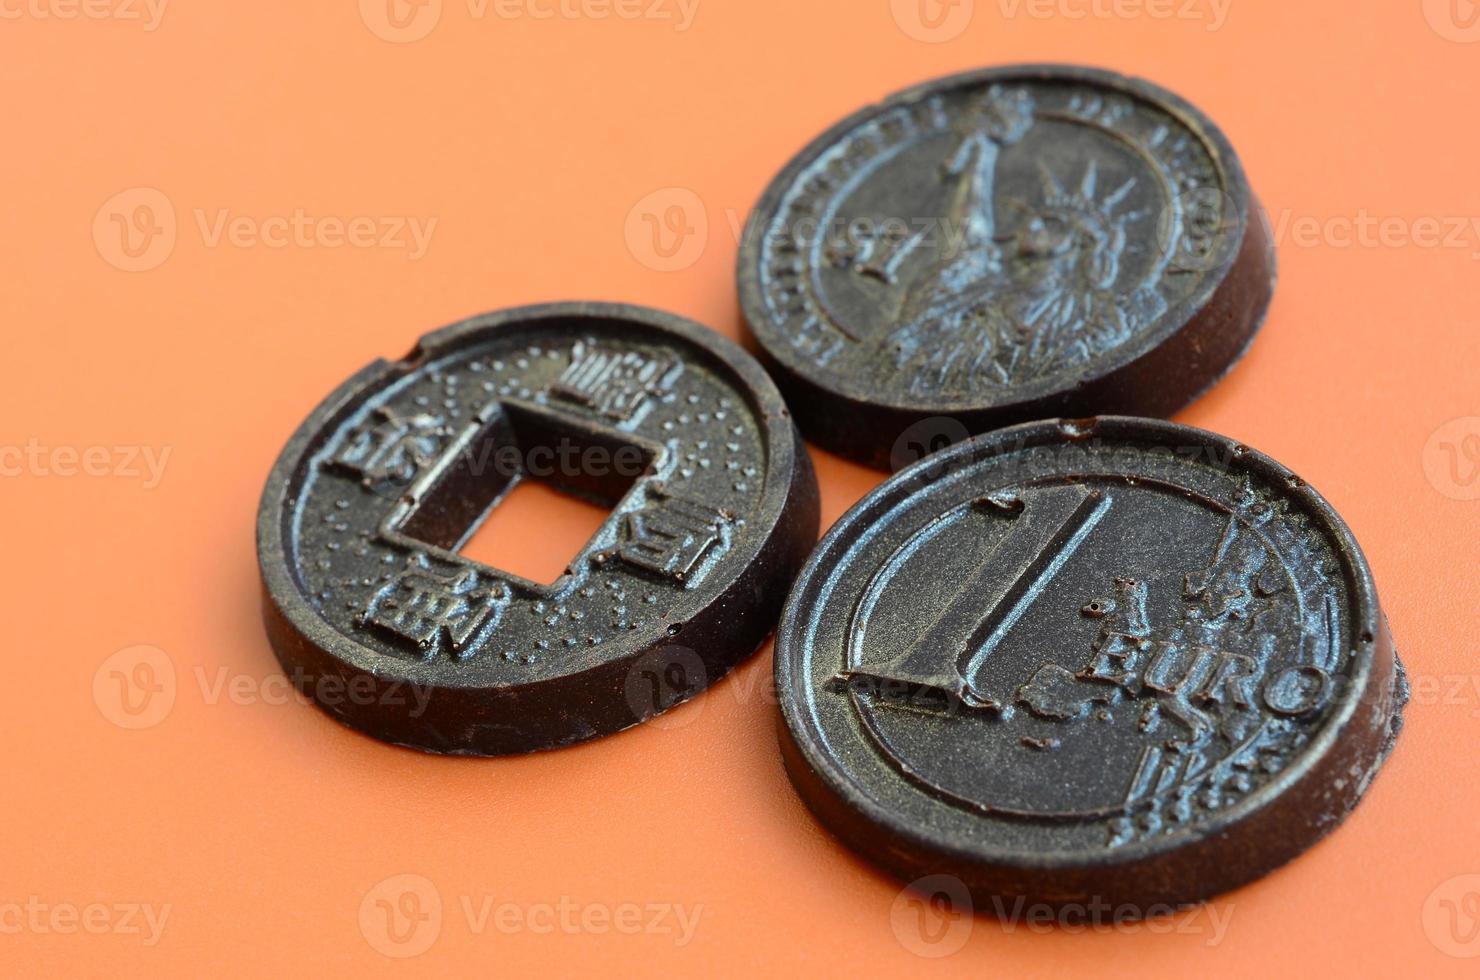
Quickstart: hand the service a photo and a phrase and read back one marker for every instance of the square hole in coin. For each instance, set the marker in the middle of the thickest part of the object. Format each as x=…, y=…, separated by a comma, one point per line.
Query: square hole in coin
x=526, y=491
x=534, y=531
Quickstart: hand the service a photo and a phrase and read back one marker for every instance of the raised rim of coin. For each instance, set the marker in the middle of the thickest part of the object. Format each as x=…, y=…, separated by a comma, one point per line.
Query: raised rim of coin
x=423, y=703
x=1193, y=345
x=1270, y=826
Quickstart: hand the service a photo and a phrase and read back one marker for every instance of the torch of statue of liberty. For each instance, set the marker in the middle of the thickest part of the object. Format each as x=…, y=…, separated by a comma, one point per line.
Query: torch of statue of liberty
x=1002, y=308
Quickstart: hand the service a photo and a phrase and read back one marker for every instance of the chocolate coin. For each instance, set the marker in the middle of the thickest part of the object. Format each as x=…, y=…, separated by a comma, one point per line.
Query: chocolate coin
x=376, y=616
x=1002, y=246
x=1114, y=660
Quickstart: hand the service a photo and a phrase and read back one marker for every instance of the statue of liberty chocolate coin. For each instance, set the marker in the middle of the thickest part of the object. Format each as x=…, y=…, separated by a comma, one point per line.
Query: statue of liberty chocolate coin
x=1001, y=246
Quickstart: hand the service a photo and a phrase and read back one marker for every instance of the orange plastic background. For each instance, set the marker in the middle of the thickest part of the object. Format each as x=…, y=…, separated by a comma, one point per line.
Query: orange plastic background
x=540, y=146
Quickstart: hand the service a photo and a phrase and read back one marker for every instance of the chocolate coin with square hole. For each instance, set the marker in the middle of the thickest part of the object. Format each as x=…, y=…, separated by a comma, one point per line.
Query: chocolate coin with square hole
x=1107, y=663
x=1001, y=246
x=376, y=616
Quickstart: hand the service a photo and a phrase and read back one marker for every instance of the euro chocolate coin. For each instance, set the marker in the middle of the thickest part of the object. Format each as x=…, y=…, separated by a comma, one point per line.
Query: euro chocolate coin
x=1098, y=663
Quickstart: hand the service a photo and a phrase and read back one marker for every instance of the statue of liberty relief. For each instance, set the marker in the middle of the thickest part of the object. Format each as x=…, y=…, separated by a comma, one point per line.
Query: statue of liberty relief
x=989, y=316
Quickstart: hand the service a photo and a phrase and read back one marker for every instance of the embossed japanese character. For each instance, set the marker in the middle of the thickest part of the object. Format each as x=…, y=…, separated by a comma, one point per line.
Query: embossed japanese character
x=672, y=536
x=613, y=383
x=391, y=448
x=436, y=613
